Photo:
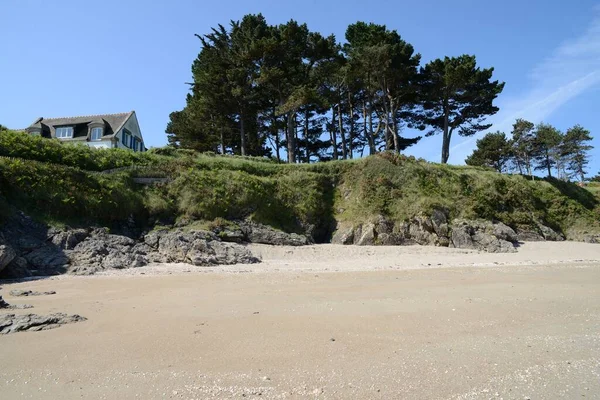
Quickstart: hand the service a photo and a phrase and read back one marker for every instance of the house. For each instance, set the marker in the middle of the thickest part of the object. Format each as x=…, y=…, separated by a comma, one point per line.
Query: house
x=103, y=131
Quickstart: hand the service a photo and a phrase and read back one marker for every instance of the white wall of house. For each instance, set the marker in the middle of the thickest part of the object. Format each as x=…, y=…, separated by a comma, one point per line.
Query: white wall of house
x=133, y=127
x=104, y=144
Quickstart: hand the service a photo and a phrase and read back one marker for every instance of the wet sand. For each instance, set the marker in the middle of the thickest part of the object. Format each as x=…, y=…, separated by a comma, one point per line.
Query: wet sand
x=327, y=322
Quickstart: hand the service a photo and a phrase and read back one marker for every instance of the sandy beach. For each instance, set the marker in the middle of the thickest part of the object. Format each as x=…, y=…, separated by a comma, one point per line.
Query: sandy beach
x=326, y=322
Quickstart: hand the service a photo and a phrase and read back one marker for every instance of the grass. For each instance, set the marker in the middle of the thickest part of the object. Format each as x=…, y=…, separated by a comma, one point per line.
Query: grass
x=56, y=182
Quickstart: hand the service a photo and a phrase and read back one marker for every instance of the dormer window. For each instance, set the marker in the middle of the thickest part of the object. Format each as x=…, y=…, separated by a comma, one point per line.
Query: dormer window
x=96, y=134
x=65, y=132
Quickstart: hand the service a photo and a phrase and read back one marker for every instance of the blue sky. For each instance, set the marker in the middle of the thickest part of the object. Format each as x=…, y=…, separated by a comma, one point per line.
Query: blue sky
x=67, y=57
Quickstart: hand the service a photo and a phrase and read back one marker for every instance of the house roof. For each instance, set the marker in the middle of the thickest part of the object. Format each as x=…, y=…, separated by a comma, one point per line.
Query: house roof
x=113, y=123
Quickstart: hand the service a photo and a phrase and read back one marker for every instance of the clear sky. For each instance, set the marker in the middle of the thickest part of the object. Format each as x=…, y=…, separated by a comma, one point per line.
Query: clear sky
x=73, y=57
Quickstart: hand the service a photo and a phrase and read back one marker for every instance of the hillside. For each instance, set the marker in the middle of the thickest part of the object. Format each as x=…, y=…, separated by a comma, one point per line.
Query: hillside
x=79, y=186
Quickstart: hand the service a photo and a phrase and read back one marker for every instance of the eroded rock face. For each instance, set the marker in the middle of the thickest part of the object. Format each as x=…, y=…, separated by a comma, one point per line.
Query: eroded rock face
x=11, y=323
x=196, y=248
x=483, y=235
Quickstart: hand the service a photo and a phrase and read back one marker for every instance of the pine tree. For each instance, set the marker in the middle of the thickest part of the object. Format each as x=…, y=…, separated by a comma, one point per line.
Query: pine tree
x=493, y=150
x=456, y=96
x=576, y=150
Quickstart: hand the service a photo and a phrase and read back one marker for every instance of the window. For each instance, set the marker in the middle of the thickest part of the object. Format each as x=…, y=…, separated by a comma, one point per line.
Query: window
x=126, y=138
x=96, y=133
x=64, y=132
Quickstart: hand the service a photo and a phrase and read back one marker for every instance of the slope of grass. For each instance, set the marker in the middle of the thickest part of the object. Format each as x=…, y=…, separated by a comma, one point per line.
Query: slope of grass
x=60, y=183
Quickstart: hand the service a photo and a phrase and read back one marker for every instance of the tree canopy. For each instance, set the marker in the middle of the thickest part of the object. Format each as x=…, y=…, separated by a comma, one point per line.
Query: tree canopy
x=288, y=92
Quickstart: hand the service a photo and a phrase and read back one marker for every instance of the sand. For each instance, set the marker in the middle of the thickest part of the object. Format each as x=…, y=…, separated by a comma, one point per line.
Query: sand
x=326, y=322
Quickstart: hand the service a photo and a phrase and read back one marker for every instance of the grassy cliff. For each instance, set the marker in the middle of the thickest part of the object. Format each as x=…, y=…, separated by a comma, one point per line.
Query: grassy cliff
x=64, y=184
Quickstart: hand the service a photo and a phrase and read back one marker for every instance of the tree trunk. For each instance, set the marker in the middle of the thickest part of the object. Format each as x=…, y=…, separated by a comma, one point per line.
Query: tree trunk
x=242, y=135
x=548, y=164
x=351, y=132
x=291, y=138
x=306, y=135
x=395, y=133
x=341, y=127
x=446, y=140
x=222, y=140
x=333, y=134
x=372, y=148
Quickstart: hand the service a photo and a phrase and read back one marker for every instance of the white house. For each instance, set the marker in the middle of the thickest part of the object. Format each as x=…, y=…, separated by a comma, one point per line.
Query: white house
x=107, y=131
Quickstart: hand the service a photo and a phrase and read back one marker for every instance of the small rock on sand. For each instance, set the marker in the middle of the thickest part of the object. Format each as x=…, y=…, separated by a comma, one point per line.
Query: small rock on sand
x=21, y=293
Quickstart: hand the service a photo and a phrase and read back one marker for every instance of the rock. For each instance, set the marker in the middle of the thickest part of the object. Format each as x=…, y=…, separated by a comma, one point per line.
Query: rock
x=232, y=235
x=67, y=240
x=344, y=234
x=7, y=254
x=482, y=235
x=504, y=232
x=22, y=293
x=256, y=233
x=4, y=305
x=18, y=268
x=367, y=235
x=197, y=248
x=389, y=239
x=421, y=230
x=439, y=220
x=550, y=234
x=11, y=323
x=48, y=259
x=529, y=236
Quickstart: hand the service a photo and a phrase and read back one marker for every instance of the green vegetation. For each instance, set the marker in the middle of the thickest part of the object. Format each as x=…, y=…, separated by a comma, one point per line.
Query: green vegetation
x=309, y=198
x=541, y=147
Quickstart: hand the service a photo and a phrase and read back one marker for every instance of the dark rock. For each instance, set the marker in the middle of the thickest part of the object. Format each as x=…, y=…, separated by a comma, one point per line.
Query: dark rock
x=504, y=232
x=256, y=233
x=529, y=236
x=49, y=259
x=7, y=254
x=11, y=323
x=550, y=234
x=67, y=240
x=18, y=268
x=24, y=293
x=421, y=230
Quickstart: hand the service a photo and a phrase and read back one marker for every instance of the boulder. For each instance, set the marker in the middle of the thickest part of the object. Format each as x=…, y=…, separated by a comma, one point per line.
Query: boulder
x=67, y=240
x=256, y=233
x=344, y=234
x=367, y=235
x=7, y=254
x=529, y=236
x=482, y=235
x=18, y=268
x=550, y=234
x=48, y=260
x=421, y=230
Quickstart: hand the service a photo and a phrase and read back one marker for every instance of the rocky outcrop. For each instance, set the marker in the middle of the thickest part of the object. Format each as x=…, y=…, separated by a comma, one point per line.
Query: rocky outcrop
x=11, y=323
x=38, y=250
x=430, y=231
x=194, y=247
x=483, y=235
x=250, y=232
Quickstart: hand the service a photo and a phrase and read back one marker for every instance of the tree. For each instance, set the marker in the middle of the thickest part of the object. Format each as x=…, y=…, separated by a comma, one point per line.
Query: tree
x=547, y=147
x=522, y=145
x=456, y=95
x=3, y=128
x=493, y=150
x=576, y=150
x=383, y=67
